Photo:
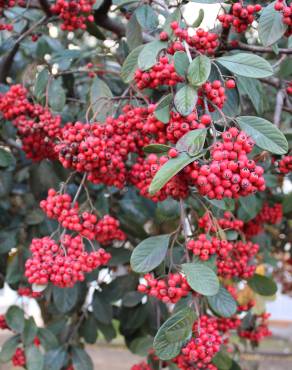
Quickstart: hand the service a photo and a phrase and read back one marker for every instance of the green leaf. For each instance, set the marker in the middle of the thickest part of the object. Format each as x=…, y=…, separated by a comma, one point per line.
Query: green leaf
x=287, y=203
x=247, y=65
x=7, y=241
x=149, y=253
x=146, y=17
x=174, y=333
x=93, y=30
x=235, y=366
x=55, y=359
x=132, y=299
x=81, y=360
x=271, y=27
x=133, y=33
x=192, y=142
x=8, y=348
x=266, y=135
x=6, y=158
x=222, y=361
x=99, y=99
x=15, y=319
x=30, y=331
x=254, y=90
x=41, y=84
x=102, y=310
x=262, y=285
x=201, y=278
x=65, y=298
x=185, y=100
x=88, y=329
x=141, y=345
x=199, y=70
x=168, y=170
x=249, y=207
x=56, y=95
x=148, y=56
x=156, y=148
x=34, y=358
x=162, y=110
x=47, y=338
x=181, y=63
x=223, y=304
x=108, y=331
x=130, y=65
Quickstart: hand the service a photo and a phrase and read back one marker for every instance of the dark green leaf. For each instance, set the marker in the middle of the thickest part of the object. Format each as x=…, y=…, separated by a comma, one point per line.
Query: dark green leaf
x=130, y=65
x=146, y=17
x=199, y=70
x=173, y=334
x=162, y=110
x=55, y=359
x=254, y=90
x=15, y=319
x=141, y=345
x=262, y=285
x=47, y=338
x=6, y=158
x=192, y=142
x=56, y=94
x=131, y=299
x=249, y=207
x=41, y=84
x=93, y=30
x=271, y=27
x=100, y=95
x=108, y=331
x=65, y=298
x=7, y=241
x=34, y=358
x=102, y=310
x=148, y=56
x=222, y=361
x=149, y=253
x=133, y=33
x=181, y=63
x=185, y=100
x=247, y=65
x=201, y=278
x=156, y=148
x=88, y=329
x=9, y=347
x=223, y=303
x=266, y=135
x=287, y=203
x=81, y=360
x=30, y=331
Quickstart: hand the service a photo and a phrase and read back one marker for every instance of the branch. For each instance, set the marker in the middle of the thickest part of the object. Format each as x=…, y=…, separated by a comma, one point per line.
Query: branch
x=279, y=107
x=257, y=49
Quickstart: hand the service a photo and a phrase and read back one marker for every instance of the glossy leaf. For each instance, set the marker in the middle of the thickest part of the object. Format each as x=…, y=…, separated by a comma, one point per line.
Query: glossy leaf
x=185, y=100
x=223, y=303
x=201, y=278
x=262, y=285
x=65, y=298
x=199, y=70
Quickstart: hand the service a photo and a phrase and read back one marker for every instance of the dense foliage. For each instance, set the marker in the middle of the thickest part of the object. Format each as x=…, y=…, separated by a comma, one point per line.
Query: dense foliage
x=143, y=166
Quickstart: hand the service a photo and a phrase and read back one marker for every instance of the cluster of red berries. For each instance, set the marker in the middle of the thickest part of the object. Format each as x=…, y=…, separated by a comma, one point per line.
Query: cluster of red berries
x=63, y=264
x=200, y=350
x=141, y=366
x=258, y=329
x=240, y=16
x=227, y=222
x=27, y=292
x=74, y=13
x=204, y=248
x=228, y=324
x=286, y=10
x=142, y=173
x=36, y=125
x=229, y=173
x=3, y=324
x=285, y=164
x=162, y=73
x=202, y=41
x=213, y=95
x=269, y=214
x=238, y=263
x=61, y=208
x=6, y=4
x=169, y=290
x=19, y=359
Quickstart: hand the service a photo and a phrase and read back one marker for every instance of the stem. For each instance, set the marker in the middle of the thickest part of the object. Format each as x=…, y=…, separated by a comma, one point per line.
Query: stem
x=183, y=219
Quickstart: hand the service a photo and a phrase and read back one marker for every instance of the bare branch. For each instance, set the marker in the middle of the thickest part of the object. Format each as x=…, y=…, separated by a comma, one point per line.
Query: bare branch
x=257, y=49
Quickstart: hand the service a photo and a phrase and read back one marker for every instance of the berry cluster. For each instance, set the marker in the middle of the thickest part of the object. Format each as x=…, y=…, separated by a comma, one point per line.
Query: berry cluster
x=141, y=366
x=228, y=324
x=74, y=13
x=269, y=214
x=240, y=17
x=285, y=164
x=204, y=248
x=286, y=10
x=142, y=173
x=238, y=263
x=35, y=124
x=27, y=292
x=258, y=329
x=229, y=173
x=19, y=359
x=169, y=290
x=200, y=350
x=3, y=324
x=61, y=208
x=227, y=222
x=63, y=264
x=162, y=73
x=202, y=41
x=6, y=4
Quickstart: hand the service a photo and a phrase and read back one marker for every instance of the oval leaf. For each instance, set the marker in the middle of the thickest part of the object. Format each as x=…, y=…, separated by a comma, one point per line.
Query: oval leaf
x=199, y=70
x=223, y=303
x=149, y=253
x=181, y=63
x=266, y=135
x=130, y=65
x=173, y=334
x=34, y=358
x=162, y=110
x=8, y=348
x=185, y=100
x=99, y=94
x=192, y=142
x=247, y=65
x=15, y=319
x=81, y=360
x=102, y=310
x=146, y=17
x=148, y=56
x=201, y=278
x=262, y=285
